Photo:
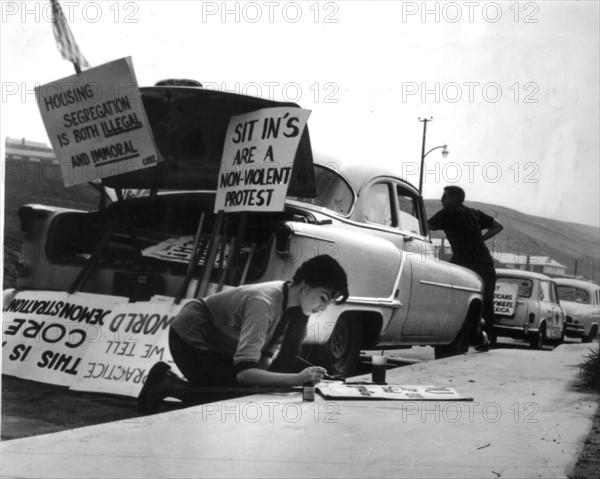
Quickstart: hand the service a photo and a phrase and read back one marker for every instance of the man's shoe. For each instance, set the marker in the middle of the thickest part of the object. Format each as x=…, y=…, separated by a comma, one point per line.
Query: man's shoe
x=154, y=389
x=483, y=348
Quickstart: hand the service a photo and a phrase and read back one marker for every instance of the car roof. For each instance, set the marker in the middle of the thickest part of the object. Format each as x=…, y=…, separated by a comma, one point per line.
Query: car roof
x=577, y=282
x=358, y=174
x=519, y=273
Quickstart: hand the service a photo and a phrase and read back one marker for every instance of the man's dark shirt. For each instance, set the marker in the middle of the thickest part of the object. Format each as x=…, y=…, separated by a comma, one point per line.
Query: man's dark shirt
x=463, y=226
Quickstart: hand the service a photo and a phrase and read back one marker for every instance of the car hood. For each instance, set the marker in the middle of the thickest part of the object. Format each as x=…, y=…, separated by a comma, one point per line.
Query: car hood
x=576, y=309
x=189, y=125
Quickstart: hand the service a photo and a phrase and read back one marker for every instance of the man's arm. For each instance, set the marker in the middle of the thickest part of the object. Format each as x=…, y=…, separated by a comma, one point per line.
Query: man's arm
x=493, y=230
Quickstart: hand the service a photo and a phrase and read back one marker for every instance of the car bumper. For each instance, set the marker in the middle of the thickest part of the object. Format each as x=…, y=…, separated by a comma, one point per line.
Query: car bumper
x=523, y=331
x=574, y=330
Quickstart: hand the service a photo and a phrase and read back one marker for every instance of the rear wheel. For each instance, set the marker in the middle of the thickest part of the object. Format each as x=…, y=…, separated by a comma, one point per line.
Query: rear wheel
x=539, y=339
x=340, y=354
x=465, y=337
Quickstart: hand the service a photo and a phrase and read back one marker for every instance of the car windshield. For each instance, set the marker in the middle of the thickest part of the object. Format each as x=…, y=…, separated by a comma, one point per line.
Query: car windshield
x=525, y=285
x=571, y=293
x=333, y=192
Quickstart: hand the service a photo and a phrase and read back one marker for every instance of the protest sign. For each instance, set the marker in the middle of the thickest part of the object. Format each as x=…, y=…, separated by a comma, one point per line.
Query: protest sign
x=136, y=337
x=258, y=157
x=505, y=299
x=97, y=124
x=337, y=390
x=46, y=333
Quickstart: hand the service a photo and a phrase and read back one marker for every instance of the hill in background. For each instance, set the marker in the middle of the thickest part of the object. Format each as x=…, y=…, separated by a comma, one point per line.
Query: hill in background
x=525, y=235
x=567, y=243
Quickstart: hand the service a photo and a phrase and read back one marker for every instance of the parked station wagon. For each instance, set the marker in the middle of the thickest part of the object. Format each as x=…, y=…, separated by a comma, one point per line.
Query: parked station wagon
x=581, y=303
x=535, y=313
x=368, y=218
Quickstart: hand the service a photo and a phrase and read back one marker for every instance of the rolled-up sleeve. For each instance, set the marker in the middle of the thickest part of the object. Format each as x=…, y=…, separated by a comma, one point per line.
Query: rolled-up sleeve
x=257, y=318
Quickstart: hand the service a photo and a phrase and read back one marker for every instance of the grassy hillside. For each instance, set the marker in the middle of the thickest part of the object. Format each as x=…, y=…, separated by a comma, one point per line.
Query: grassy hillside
x=526, y=234
x=523, y=234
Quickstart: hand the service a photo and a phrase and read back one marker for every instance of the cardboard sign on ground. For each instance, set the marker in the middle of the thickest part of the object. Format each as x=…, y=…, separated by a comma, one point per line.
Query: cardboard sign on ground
x=137, y=337
x=45, y=334
x=336, y=390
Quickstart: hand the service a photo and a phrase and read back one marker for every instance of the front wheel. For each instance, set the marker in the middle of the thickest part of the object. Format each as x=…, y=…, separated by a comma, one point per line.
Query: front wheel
x=590, y=337
x=341, y=353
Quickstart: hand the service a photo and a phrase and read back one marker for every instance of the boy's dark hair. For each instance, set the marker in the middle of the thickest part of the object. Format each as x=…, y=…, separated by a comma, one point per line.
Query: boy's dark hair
x=456, y=192
x=324, y=272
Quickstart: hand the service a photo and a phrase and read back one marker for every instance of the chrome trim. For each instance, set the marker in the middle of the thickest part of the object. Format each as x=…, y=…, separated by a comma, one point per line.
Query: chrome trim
x=450, y=286
x=305, y=235
x=393, y=303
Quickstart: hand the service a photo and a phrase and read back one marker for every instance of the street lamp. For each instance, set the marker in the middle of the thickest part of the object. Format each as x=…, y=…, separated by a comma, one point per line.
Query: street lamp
x=445, y=151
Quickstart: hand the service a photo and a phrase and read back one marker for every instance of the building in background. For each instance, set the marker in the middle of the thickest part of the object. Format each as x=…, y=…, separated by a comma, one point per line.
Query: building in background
x=22, y=149
x=537, y=264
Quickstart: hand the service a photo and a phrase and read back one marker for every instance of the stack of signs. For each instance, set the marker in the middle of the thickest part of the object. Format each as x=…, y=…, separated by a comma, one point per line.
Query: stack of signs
x=97, y=124
x=45, y=334
x=505, y=299
x=136, y=336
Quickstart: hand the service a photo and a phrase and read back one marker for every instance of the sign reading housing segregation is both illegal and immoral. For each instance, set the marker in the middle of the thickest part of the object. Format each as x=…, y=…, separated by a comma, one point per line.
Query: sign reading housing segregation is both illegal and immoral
x=258, y=158
x=97, y=124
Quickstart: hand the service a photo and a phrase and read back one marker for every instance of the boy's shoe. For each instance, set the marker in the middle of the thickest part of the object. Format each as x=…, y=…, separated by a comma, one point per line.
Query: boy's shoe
x=155, y=388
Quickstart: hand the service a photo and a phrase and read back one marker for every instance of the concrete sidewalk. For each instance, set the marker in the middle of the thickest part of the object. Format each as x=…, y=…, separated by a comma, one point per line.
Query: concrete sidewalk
x=525, y=421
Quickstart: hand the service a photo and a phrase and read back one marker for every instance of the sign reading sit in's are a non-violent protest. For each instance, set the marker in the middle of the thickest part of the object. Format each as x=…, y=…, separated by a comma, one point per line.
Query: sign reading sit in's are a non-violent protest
x=45, y=334
x=97, y=124
x=258, y=158
x=136, y=337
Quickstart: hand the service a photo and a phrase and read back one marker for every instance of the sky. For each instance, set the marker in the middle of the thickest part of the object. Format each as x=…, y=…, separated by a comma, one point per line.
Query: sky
x=512, y=87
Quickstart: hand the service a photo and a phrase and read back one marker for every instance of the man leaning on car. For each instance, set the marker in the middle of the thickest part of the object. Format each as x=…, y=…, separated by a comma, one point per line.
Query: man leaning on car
x=463, y=227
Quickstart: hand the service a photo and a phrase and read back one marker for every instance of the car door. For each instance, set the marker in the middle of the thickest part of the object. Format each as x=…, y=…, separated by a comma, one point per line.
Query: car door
x=550, y=309
x=432, y=295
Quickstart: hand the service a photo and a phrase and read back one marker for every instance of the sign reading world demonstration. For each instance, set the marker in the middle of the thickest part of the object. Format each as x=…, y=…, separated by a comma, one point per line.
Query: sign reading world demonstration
x=258, y=158
x=97, y=124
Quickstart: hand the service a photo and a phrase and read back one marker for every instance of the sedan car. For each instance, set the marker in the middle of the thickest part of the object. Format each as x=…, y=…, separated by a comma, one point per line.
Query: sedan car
x=369, y=218
x=527, y=307
x=581, y=302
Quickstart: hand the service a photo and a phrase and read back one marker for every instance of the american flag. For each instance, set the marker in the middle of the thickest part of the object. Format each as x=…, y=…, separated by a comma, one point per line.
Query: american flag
x=64, y=38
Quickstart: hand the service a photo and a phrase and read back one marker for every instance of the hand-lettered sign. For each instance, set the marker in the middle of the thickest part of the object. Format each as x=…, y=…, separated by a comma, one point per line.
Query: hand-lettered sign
x=258, y=157
x=390, y=391
x=505, y=298
x=97, y=124
x=45, y=334
x=136, y=337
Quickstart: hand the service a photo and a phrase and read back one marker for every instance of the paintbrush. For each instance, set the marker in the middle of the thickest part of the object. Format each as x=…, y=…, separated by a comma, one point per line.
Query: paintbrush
x=334, y=377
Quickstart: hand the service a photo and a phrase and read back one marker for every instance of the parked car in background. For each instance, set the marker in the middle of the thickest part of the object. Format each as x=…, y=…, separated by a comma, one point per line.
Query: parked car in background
x=581, y=302
x=527, y=307
x=371, y=220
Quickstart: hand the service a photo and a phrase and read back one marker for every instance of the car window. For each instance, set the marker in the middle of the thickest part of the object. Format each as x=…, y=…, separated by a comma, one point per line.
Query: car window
x=408, y=213
x=553, y=293
x=377, y=205
x=574, y=294
x=524, y=285
x=333, y=192
x=545, y=291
